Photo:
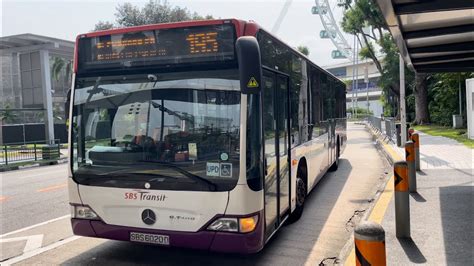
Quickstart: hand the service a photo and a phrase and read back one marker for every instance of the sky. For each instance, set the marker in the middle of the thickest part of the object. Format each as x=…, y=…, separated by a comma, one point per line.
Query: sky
x=65, y=19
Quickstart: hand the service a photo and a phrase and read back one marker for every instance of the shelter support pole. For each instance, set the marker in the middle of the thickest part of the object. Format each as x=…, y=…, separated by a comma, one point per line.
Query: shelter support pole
x=47, y=97
x=403, y=118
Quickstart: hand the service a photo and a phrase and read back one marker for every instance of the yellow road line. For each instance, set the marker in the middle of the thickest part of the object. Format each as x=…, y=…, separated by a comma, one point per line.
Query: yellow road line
x=52, y=188
x=378, y=212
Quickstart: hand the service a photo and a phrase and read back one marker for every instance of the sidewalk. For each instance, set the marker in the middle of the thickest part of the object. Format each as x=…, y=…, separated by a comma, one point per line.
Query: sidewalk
x=441, y=213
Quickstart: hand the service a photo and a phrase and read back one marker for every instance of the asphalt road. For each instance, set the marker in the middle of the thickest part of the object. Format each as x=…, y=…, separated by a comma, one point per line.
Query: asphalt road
x=32, y=196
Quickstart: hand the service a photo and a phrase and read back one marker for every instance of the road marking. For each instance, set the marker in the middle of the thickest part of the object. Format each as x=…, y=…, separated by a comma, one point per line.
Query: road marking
x=46, y=173
x=3, y=198
x=32, y=242
x=38, y=251
x=55, y=187
x=34, y=226
x=378, y=212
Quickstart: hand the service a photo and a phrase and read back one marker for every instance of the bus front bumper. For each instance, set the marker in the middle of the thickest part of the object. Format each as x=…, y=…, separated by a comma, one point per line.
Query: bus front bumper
x=205, y=240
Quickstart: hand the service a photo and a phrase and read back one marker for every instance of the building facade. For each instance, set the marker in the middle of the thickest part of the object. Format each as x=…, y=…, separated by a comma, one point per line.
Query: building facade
x=358, y=92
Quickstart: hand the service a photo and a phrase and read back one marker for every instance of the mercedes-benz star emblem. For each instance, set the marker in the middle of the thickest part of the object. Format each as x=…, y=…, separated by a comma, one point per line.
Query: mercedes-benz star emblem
x=148, y=217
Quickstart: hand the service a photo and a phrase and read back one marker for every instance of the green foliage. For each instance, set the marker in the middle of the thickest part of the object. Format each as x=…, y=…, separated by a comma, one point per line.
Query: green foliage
x=7, y=115
x=154, y=11
x=303, y=49
x=365, y=13
x=364, y=52
x=57, y=66
x=444, y=98
x=103, y=25
x=456, y=134
x=359, y=111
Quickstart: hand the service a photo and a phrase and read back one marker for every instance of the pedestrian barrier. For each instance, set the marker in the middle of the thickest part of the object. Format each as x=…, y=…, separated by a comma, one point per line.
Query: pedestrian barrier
x=369, y=241
x=383, y=126
x=29, y=151
x=402, y=204
x=410, y=159
x=415, y=137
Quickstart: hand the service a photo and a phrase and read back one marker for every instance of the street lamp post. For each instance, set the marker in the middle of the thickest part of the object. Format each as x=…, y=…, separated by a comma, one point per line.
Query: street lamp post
x=366, y=77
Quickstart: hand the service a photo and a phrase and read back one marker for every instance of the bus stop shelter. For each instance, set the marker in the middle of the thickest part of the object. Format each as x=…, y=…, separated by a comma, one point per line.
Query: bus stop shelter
x=432, y=36
x=30, y=58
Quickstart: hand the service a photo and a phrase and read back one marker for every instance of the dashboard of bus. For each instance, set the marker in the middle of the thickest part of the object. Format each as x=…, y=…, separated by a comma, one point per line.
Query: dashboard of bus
x=169, y=131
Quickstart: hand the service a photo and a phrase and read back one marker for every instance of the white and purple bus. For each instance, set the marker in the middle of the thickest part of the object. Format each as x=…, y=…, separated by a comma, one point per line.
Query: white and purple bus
x=203, y=134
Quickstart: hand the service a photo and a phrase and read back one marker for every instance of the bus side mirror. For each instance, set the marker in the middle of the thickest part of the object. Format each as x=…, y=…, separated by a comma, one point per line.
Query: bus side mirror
x=250, y=65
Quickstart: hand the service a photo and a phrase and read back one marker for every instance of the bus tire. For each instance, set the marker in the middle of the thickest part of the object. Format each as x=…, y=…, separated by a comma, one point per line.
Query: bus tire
x=335, y=165
x=300, y=199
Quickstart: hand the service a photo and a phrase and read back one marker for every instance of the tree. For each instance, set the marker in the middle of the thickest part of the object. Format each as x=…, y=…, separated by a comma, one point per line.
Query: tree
x=103, y=25
x=364, y=19
x=303, y=49
x=443, y=92
x=422, y=113
x=154, y=11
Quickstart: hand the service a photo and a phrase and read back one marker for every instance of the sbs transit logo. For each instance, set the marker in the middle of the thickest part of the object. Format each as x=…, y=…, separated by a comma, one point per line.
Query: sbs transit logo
x=144, y=196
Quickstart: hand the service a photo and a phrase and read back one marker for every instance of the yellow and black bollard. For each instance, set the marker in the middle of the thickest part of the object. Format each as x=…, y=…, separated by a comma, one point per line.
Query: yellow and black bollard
x=415, y=137
x=369, y=238
x=410, y=159
x=402, y=204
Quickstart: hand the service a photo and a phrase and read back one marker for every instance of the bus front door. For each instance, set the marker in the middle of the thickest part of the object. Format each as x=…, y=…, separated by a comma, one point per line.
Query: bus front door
x=276, y=139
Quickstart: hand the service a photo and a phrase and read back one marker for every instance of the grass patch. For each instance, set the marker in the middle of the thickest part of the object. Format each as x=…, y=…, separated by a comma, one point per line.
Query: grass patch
x=460, y=135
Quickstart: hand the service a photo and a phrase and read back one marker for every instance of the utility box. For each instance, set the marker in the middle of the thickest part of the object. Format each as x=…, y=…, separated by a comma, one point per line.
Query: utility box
x=457, y=121
x=470, y=107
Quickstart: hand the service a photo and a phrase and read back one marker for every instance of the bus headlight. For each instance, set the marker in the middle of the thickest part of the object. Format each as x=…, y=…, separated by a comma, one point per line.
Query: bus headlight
x=225, y=224
x=241, y=225
x=84, y=212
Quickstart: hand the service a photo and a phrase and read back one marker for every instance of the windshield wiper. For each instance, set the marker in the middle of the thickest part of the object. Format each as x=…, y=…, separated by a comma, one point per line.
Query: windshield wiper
x=183, y=172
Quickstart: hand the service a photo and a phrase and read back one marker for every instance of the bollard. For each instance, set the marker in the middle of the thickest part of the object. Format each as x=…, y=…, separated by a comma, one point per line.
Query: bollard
x=369, y=238
x=415, y=137
x=402, y=204
x=410, y=159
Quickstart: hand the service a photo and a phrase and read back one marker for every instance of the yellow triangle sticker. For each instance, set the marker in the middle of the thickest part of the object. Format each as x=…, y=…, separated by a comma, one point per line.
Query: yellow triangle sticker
x=252, y=83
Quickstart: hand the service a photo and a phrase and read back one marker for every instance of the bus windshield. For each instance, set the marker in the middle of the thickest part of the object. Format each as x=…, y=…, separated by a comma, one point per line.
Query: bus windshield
x=170, y=131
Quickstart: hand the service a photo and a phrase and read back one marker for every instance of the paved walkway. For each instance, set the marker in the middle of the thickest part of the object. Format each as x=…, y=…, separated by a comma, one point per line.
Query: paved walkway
x=442, y=212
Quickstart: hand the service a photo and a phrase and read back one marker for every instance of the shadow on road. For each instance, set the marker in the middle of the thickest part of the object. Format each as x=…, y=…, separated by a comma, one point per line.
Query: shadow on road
x=411, y=250
x=418, y=197
x=457, y=214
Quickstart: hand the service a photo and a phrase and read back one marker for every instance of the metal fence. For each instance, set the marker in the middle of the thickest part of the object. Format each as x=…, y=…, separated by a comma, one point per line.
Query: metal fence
x=31, y=151
x=384, y=126
x=29, y=133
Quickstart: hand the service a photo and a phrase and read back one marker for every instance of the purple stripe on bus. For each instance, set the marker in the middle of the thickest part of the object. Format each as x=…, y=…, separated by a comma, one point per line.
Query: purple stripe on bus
x=205, y=240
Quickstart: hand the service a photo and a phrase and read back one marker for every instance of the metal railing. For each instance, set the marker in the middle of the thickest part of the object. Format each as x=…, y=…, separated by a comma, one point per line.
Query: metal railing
x=383, y=126
x=31, y=151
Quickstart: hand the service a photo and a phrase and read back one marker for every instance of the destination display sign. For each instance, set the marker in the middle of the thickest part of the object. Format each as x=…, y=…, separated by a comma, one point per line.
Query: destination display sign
x=155, y=47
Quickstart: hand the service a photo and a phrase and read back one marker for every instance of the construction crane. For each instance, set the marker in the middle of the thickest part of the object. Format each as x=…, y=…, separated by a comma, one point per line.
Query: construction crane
x=281, y=17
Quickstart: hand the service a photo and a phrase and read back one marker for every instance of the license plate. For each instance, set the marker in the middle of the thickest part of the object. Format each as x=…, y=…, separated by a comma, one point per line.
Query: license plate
x=150, y=238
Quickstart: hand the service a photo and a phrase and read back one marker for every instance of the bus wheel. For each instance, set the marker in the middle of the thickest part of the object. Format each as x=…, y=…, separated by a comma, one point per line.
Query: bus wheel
x=300, y=199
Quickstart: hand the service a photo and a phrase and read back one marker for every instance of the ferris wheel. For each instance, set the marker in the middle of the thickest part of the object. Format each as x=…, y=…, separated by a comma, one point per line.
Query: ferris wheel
x=331, y=30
